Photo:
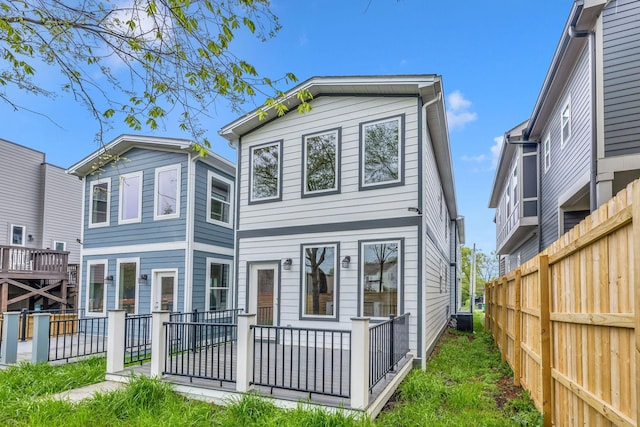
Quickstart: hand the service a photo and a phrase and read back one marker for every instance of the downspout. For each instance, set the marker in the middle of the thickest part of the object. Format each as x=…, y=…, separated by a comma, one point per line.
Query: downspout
x=188, y=256
x=573, y=33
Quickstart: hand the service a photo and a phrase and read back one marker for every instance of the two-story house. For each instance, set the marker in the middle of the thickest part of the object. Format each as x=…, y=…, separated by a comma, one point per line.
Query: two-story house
x=584, y=132
x=157, y=227
x=349, y=209
x=40, y=217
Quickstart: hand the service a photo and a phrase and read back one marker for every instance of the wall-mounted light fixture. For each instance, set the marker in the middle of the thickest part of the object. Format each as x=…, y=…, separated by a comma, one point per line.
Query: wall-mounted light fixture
x=416, y=210
x=142, y=278
x=345, y=261
x=286, y=264
x=108, y=279
x=30, y=237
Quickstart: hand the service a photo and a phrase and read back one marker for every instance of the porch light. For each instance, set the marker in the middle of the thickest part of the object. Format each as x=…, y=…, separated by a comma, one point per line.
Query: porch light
x=30, y=237
x=345, y=261
x=142, y=278
x=286, y=264
x=416, y=210
x=108, y=279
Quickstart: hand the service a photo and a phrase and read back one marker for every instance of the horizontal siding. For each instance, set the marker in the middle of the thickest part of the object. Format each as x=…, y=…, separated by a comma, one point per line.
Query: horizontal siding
x=351, y=204
x=200, y=277
x=527, y=250
x=282, y=247
x=621, y=56
x=147, y=231
x=205, y=232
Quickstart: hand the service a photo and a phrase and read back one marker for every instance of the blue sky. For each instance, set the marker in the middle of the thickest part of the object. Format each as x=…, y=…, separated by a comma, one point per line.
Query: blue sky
x=492, y=55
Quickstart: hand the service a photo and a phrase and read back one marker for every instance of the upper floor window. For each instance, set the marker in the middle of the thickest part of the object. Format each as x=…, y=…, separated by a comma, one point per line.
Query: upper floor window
x=130, y=198
x=17, y=235
x=381, y=152
x=266, y=170
x=547, y=153
x=59, y=246
x=565, y=122
x=99, y=203
x=319, y=282
x=220, y=206
x=322, y=162
x=167, y=192
x=514, y=186
x=381, y=278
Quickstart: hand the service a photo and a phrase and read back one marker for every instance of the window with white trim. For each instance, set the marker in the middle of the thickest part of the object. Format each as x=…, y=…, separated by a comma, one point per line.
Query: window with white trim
x=59, y=246
x=319, y=283
x=167, y=192
x=99, y=203
x=266, y=163
x=218, y=295
x=130, y=203
x=565, y=122
x=321, y=159
x=127, y=280
x=547, y=153
x=514, y=187
x=96, y=288
x=380, y=274
x=381, y=152
x=220, y=205
x=18, y=234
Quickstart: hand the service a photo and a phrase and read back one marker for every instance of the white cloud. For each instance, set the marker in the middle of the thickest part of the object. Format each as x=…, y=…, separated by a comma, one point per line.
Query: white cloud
x=495, y=150
x=458, y=114
x=474, y=159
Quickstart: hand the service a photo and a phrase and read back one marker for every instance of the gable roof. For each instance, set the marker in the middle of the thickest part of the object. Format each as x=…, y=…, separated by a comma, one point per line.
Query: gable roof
x=426, y=86
x=124, y=143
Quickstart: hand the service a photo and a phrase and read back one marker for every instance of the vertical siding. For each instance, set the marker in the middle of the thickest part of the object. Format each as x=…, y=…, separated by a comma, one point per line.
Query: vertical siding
x=568, y=162
x=20, y=192
x=205, y=232
x=200, y=277
x=621, y=56
x=62, y=211
x=148, y=230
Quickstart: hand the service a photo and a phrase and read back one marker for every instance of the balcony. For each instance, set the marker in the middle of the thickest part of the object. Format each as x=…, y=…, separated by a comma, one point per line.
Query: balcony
x=516, y=230
x=27, y=263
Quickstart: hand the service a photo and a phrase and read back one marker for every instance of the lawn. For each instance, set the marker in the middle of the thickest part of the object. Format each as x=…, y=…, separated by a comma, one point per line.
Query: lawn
x=465, y=384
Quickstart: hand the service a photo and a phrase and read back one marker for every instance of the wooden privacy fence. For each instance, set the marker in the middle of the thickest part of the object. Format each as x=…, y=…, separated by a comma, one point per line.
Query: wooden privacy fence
x=568, y=320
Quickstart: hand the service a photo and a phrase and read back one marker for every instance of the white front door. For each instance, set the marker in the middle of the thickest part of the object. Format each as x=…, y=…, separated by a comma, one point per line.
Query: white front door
x=164, y=292
x=263, y=292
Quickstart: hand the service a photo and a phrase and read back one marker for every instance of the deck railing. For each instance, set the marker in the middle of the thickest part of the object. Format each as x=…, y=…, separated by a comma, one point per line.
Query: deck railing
x=212, y=316
x=137, y=338
x=315, y=361
x=388, y=345
x=71, y=338
x=28, y=260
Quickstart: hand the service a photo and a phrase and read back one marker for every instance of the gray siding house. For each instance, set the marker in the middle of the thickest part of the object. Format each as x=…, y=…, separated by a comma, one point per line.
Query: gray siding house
x=157, y=227
x=349, y=209
x=584, y=132
x=40, y=218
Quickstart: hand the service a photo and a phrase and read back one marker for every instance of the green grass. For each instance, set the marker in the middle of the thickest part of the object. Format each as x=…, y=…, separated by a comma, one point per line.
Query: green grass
x=458, y=388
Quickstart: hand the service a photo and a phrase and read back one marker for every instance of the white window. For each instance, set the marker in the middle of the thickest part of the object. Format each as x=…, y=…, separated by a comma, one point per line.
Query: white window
x=127, y=285
x=565, y=122
x=381, y=152
x=319, y=284
x=18, y=235
x=130, y=207
x=99, y=203
x=547, y=153
x=220, y=205
x=218, y=296
x=514, y=187
x=167, y=192
x=321, y=159
x=381, y=278
x=266, y=166
x=96, y=287
x=59, y=246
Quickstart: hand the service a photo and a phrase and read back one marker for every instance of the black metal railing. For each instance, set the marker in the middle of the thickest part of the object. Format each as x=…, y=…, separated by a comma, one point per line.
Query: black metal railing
x=26, y=324
x=71, y=338
x=315, y=361
x=1, y=330
x=388, y=345
x=229, y=316
x=201, y=350
x=137, y=338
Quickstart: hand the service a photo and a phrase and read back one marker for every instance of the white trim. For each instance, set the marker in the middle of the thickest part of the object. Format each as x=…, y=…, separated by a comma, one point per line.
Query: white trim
x=119, y=261
x=565, y=106
x=80, y=243
x=154, y=275
x=93, y=183
x=279, y=151
x=64, y=245
x=399, y=266
x=207, y=287
x=189, y=233
x=149, y=247
x=334, y=132
x=210, y=175
x=178, y=168
x=546, y=150
x=364, y=126
x=121, y=180
x=91, y=263
x=336, y=289
x=203, y=247
x=24, y=235
x=252, y=287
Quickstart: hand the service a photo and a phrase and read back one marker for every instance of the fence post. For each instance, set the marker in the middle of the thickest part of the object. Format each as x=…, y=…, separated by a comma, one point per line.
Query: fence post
x=23, y=325
x=545, y=339
x=391, y=343
x=635, y=212
x=158, y=342
x=40, y=343
x=10, y=337
x=517, y=363
x=359, y=362
x=244, y=371
x=505, y=314
x=116, y=324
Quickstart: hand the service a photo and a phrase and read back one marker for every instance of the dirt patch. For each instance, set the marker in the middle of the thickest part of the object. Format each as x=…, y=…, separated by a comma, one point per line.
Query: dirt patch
x=506, y=391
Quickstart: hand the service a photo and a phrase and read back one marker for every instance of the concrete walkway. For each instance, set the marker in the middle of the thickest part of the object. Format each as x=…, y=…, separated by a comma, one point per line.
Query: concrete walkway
x=87, y=392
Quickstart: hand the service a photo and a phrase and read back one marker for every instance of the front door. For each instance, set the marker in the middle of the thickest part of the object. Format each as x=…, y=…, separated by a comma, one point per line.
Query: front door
x=263, y=298
x=164, y=291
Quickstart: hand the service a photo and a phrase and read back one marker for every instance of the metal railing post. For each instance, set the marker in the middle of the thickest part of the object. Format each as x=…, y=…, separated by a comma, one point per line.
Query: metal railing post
x=23, y=325
x=41, y=334
x=392, y=353
x=359, y=362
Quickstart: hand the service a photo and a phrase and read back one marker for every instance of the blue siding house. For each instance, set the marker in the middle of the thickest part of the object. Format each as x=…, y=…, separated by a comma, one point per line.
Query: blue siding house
x=157, y=229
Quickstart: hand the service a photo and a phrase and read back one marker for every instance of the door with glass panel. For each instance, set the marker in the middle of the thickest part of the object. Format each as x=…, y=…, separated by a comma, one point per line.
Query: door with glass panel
x=263, y=298
x=164, y=287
